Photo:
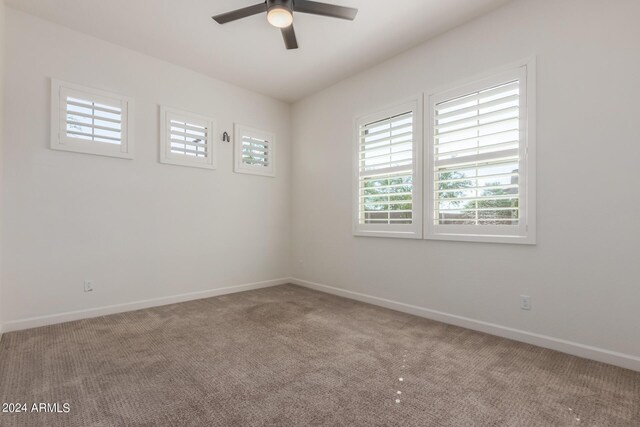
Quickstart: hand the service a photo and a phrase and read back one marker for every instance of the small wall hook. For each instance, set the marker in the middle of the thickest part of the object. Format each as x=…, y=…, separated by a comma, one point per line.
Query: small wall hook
x=226, y=137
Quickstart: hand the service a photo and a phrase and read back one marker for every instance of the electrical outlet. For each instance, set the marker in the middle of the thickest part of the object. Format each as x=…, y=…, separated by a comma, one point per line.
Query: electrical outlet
x=88, y=285
x=525, y=302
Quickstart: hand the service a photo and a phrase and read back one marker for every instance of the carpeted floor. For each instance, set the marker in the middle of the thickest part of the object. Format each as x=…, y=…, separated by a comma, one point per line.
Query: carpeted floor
x=287, y=356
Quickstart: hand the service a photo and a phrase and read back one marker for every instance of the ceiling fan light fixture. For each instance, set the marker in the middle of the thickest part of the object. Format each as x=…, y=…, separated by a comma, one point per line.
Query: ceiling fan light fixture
x=280, y=16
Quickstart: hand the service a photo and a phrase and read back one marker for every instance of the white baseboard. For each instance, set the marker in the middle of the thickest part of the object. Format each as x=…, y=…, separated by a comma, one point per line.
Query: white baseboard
x=34, y=322
x=581, y=350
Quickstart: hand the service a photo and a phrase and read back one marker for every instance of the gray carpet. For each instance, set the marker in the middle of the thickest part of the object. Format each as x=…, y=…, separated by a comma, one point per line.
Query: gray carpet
x=288, y=356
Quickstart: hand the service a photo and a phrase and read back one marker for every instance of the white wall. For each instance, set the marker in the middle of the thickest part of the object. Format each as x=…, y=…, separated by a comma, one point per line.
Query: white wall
x=139, y=228
x=583, y=273
x=143, y=230
x=2, y=33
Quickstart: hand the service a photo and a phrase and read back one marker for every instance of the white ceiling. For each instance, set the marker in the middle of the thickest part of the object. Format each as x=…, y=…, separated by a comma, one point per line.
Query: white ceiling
x=250, y=53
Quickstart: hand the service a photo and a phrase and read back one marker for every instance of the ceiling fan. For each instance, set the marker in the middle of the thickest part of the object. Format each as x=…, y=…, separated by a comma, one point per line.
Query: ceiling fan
x=280, y=15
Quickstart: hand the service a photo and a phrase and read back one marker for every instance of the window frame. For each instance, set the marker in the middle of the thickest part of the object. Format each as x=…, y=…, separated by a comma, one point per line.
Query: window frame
x=239, y=166
x=60, y=140
x=406, y=231
x=169, y=158
x=525, y=232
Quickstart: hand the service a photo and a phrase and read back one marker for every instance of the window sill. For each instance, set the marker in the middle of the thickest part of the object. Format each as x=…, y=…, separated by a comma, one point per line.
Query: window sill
x=91, y=147
x=481, y=238
x=187, y=163
x=388, y=234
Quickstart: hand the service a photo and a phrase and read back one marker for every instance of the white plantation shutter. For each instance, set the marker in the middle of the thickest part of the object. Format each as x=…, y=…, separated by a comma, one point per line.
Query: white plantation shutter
x=89, y=121
x=387, y=183
x=478, y=157
x=187, y=139
x=386, y=171
x=254, y=151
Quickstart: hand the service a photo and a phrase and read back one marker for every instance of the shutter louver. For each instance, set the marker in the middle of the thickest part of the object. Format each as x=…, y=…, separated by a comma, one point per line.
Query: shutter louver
x=476, y=157
x=92, y=121
x=385, y=165
x=255, y=151
x=188, y=138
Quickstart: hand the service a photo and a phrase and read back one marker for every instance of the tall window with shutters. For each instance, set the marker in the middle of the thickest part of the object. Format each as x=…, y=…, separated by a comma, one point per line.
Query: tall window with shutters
x=387, y=173
x=90, y=121
x=255, y=151
x=480, y=159
x=186, y=139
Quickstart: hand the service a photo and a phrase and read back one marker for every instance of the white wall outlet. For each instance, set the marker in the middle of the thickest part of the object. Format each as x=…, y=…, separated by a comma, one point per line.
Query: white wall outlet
x=88, y=285
x=525, y=302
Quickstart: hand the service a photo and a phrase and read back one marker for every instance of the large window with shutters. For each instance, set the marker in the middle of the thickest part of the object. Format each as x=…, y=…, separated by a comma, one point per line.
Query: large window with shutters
x=186, y=139
x=90, y=121
x=255, y=151
x=387, y=173
x=480, y=170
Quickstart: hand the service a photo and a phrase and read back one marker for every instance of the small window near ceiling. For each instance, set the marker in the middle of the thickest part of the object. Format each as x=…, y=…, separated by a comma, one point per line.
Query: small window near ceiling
x=480, y=160
x=255, y=151
x=187, y=139
x=90, y=121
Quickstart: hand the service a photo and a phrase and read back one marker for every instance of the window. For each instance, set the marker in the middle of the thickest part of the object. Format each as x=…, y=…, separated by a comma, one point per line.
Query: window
x=387, y=178
x=480, y=160
x=90, y=121
x=255, y=151
x=186, y=139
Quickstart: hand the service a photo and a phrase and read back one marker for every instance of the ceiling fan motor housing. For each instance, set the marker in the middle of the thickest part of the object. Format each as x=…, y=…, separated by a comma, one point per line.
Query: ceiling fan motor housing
x=287, y=4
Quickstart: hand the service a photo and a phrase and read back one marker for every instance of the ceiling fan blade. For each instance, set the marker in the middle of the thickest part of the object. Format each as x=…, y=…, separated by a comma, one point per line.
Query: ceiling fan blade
x=289, y=36
x=223, y=18
x=324, y=9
